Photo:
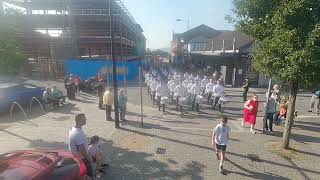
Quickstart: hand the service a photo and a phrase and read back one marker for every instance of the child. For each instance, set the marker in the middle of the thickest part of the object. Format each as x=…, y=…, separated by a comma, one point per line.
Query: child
x=95, y=152
x=219, y=140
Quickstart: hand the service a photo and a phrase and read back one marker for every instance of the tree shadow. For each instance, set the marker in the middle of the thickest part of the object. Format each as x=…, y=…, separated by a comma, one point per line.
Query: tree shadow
x=127, y=164
x=252, y=174
x=299, y=137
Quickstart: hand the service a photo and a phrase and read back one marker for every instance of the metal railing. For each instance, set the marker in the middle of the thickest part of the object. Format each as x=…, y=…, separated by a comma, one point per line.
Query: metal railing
x=16, y=103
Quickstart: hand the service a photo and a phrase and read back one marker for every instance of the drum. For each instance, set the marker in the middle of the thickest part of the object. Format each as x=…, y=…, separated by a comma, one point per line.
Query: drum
x=199, y=99
x=164, y=100
x=224, y=100
x=183, y=100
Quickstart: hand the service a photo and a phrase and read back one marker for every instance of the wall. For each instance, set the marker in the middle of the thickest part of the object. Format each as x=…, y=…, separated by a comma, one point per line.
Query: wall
x=89, y=68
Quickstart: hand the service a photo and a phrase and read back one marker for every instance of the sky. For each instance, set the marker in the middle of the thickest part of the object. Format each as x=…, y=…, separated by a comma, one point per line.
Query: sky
x=158, y=17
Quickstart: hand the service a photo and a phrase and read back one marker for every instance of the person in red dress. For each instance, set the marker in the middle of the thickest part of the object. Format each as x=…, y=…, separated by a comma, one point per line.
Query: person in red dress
x=250, y=112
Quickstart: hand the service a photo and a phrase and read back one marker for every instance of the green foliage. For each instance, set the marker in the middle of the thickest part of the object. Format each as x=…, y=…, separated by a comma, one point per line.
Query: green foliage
x=11, y=60
x=287, y=34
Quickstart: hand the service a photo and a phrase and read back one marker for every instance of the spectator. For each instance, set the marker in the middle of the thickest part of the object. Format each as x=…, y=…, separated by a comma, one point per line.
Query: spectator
x=78, y=143
x=108, y=100
x=123, y=99
x=96, y=154
x=315, y=99
x=48, y=98
x=56, y=93
x=101, y=89
x=250, y=112
x=271, y=110
x=76, y=81
x=245, y=89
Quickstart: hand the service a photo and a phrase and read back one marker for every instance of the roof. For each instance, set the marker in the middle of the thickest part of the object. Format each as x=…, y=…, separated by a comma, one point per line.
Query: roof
x=241, y=41
x=202, y=30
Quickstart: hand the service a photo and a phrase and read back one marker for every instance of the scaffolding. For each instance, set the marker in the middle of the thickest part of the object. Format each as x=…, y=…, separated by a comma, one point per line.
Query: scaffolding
x=77, y=29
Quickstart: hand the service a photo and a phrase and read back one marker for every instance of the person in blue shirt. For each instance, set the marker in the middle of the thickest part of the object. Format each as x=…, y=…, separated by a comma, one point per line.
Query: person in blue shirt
x=315, y=99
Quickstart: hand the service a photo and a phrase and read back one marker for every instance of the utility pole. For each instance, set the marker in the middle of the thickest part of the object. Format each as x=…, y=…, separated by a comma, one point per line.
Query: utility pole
x=114, y=72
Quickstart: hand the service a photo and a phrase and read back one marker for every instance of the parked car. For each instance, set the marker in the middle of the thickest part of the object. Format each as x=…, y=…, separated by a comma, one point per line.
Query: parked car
x=40, y=165
x=21, y=93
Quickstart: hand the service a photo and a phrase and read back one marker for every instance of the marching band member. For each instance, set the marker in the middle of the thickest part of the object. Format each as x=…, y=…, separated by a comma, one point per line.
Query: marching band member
x=178, y=92
x=195, y=90
x=209, y=89
x=161, y=90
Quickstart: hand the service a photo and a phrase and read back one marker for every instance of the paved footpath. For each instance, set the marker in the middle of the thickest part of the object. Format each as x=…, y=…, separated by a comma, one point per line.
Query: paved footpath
x=172, y=145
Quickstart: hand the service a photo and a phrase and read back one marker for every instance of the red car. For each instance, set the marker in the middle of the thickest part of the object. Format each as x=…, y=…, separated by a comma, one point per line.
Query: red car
x=41, y=165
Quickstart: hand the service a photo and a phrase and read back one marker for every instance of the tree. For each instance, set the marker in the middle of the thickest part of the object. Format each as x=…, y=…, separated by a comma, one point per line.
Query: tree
x=11, y=59
x=287, y=46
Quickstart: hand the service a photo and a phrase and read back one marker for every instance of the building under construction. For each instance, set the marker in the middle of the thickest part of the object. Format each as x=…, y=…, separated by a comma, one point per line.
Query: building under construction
x=76, y=29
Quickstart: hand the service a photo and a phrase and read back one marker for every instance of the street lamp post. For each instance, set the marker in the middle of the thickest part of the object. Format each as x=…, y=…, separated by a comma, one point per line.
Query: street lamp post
x=186, y=21
x=114, y=73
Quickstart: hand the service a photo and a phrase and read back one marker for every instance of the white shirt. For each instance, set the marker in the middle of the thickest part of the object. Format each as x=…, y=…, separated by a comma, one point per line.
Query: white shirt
x=189, y=87
x=154, y=85
x=197, y=78
x=150, y=81
x=221, y=134
x=209, y=87
x=161, y=90
x=204, y=82
x=179, y=90
x=172, y=86
x=170, y=82
x=186, y=75
x=195, y=89
x=185, y=83
x=218, y=90
x=77, y=137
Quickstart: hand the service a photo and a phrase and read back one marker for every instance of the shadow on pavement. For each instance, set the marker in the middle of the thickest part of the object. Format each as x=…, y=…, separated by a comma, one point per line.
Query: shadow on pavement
x=132, y=165
x=252, y=174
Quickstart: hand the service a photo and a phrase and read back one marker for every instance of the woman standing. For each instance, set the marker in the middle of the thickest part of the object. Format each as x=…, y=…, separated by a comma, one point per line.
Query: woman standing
x=123, y=99
x=250, y=112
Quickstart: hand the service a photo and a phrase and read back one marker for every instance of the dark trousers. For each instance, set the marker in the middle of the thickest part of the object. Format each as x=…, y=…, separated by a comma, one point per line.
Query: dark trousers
x=209, y=97
x=270, y=118
x=108, y=112
x=245, y=93
x=159, y=102
x=215, y=102
x=100, y=100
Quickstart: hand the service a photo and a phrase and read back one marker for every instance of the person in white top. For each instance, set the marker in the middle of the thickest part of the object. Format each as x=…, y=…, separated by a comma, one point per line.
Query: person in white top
x=185, y=83
x=189, y=86
x=209, y=89
x=170, y=82
x=78, y=145
x=219, y=140
x=153, y=87
x=191, y=77
x=204, y=83
x=161, y=90
x=179, y=91
x=218, y=91
x=197, y=78
x=194, y=91
x=148, y=82
x=186, y=75
x=171, y=87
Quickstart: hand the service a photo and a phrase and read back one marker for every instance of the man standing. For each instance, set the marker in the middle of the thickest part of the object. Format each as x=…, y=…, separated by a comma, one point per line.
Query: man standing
x=78, y=145
x=245, y=89
x=108, y=101
x=219, y=140
x=101, y=89
x=315, y=97
x=271, y=110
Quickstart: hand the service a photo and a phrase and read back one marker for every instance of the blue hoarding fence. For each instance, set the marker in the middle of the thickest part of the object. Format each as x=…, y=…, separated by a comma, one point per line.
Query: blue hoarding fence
x=90, y=68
